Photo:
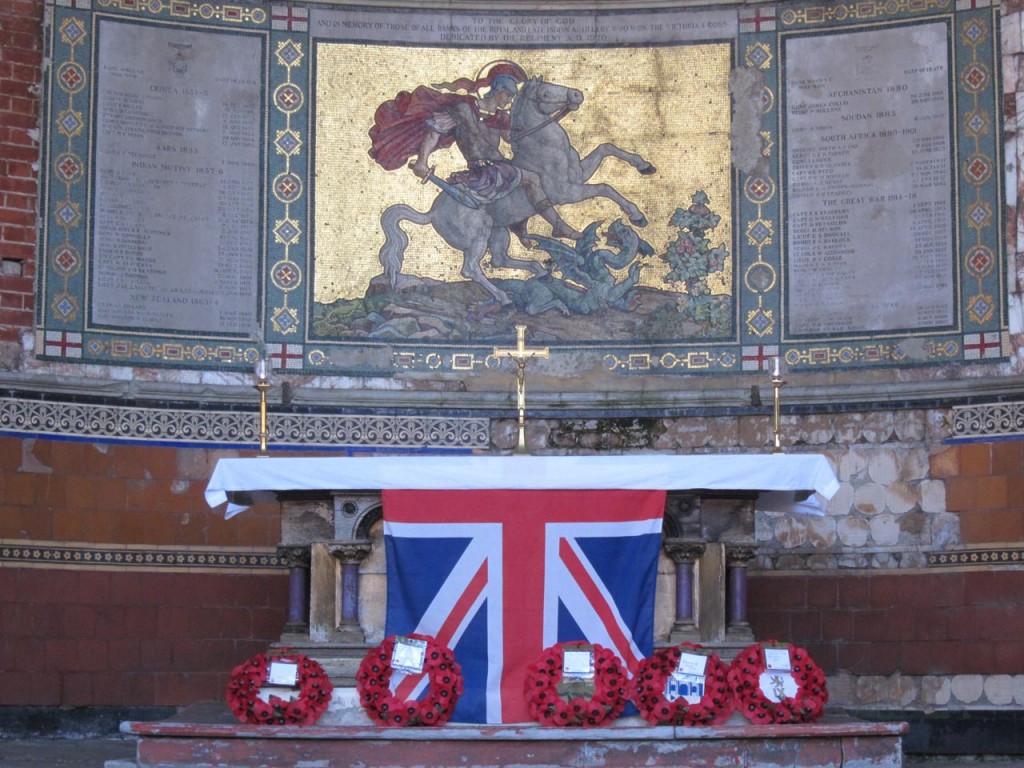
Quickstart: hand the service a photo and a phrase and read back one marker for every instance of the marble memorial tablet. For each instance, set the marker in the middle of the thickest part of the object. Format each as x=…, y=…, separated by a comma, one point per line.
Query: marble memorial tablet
x=177, y=220
x=869, y=232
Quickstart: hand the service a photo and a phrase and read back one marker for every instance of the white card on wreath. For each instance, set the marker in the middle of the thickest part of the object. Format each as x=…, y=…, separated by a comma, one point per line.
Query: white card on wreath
x=691, y=664
x=777, y=659
x=777, y=685
x=287, y=694
x=578, y=665
x=682, y=685
x=408, y=655
x=283, y=673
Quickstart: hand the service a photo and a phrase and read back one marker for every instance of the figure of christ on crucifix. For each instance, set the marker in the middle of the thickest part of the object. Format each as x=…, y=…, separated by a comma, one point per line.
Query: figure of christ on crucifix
x=520, y=354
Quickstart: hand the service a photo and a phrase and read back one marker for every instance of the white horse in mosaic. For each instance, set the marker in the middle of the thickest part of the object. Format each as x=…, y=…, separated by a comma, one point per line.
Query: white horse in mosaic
x=540, y=144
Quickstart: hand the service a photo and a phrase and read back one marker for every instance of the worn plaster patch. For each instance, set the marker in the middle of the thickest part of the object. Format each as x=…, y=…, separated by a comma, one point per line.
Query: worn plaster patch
x=746, y=87
x=29, y=462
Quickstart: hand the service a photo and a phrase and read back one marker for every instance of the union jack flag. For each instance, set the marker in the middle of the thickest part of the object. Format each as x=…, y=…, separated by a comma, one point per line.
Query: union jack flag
x=498, y=576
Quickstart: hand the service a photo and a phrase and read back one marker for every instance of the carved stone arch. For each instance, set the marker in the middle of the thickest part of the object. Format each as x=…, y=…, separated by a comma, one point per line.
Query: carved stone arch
x=682, y=516
x=669, y=527
x=367, y=520
x=355, y=512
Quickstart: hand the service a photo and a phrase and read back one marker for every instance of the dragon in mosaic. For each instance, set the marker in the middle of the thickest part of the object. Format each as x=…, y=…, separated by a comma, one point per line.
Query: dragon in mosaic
x=540, y=147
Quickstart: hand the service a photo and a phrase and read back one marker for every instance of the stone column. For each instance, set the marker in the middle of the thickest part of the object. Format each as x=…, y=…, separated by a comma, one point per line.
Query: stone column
x=349, y=555
x=737, y=558
x=297, y=559
x=684, y=554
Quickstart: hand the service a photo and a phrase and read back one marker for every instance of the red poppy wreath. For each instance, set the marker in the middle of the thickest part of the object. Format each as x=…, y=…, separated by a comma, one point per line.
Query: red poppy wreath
x=683, y=686
x=279, y=689
x=437, y=662
x=555, y=698
x=778, y=683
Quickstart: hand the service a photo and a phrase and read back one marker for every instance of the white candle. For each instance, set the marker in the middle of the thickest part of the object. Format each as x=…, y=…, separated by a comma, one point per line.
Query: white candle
x=776, y=371
x=262, y=368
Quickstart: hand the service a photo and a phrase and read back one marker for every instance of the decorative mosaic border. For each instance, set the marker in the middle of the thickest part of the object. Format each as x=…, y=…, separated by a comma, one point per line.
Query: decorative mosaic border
x=978, y=557
x=990, y=420
x=867, y=559
x=19, y=553
x=239, y=428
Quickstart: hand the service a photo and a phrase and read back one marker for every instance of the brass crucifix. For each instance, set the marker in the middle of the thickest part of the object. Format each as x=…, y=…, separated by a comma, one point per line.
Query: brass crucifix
x=520, y=354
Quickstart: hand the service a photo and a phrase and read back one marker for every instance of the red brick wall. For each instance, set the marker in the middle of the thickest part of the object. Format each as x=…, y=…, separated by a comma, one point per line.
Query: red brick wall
x=941, y=623
x=985, y=486
x=65, y=490
x=20, y=77
x=129, y=638
x=75, y=636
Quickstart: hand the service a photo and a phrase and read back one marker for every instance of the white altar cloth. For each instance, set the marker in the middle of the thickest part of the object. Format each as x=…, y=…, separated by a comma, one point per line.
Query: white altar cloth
x=781, y=478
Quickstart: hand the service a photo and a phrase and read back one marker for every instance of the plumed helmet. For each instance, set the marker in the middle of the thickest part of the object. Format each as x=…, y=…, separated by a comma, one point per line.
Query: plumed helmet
x=506, y=69
x=500, y=76
x=505, y=76
x=505, y=83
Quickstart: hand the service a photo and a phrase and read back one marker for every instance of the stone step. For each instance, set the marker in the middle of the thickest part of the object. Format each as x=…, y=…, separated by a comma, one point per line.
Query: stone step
x=832, y=743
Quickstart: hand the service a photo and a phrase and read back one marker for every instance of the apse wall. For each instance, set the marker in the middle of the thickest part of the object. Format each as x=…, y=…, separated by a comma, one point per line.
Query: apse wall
x=117, y=394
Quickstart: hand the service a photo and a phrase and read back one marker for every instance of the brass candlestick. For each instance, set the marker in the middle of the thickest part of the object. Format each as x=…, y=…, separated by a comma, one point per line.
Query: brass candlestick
x=777, y=384
x=261, y=386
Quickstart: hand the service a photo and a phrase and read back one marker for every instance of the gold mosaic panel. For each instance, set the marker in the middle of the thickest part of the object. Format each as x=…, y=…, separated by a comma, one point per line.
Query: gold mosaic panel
x=669, y=104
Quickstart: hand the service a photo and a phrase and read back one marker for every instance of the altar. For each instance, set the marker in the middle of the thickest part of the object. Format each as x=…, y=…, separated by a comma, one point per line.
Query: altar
x=329, y=507
x=331, y=504
x=235, y=480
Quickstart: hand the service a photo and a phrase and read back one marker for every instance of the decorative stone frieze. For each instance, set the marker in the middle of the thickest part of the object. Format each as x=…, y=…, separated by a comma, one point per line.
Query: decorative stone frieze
x=20, y=553
x=235, y=428
x=990, y=419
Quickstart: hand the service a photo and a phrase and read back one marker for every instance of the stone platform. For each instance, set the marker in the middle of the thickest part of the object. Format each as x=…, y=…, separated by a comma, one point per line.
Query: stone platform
x=832, y=742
